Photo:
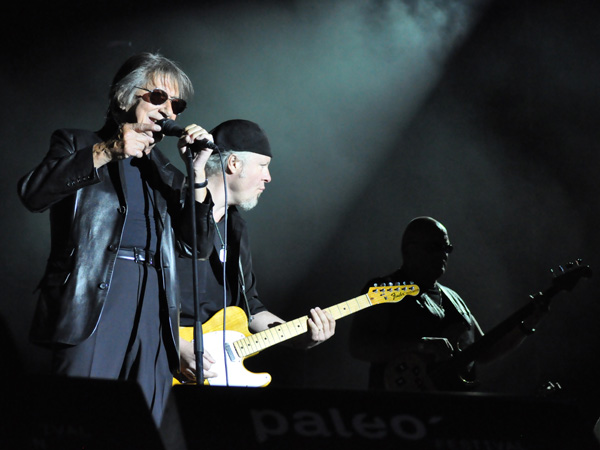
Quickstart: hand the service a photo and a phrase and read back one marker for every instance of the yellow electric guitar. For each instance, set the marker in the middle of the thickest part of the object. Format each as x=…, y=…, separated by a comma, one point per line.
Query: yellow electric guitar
x=232, y=344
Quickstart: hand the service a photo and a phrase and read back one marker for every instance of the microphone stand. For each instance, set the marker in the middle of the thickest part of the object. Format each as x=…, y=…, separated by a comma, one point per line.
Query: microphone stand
x=170, y=128
x=198, y=337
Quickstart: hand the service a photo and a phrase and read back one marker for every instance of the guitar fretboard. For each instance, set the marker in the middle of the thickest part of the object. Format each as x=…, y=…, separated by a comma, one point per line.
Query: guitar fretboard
x=261, y=340
x=264, y=339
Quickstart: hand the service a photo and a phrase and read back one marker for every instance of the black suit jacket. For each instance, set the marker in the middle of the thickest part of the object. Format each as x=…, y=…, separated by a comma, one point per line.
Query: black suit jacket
x=87, y=215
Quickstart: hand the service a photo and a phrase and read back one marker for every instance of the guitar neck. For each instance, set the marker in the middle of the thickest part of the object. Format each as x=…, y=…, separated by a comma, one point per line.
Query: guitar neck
x=264, y=339
x=565, y=280
x=489, y=339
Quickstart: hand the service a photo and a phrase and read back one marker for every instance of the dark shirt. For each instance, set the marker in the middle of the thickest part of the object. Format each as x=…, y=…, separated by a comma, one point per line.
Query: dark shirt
x=210, y=275
x=140, y=226
x=210, y=285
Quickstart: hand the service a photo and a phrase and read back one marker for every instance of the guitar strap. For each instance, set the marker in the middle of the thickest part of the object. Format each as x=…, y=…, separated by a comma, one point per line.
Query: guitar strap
x=243, y=289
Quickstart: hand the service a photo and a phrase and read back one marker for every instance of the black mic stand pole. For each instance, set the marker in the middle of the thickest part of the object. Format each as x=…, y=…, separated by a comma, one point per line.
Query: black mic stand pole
x=198, y=338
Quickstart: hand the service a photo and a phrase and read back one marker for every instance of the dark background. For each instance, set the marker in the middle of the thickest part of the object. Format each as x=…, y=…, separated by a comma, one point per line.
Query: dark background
x=481, y=114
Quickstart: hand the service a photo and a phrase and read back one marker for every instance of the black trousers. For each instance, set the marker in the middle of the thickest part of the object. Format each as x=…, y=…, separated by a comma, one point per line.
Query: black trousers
x=128, y=341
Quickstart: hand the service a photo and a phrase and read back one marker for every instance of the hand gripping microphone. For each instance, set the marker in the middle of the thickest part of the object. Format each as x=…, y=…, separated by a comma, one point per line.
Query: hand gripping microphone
x=171, y=128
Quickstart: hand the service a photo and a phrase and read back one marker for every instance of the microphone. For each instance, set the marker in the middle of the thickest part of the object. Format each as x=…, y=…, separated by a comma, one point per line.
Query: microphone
x=171, y=128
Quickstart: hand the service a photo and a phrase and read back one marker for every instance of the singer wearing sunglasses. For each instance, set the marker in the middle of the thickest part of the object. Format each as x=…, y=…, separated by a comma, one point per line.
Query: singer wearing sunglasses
x=108, y=304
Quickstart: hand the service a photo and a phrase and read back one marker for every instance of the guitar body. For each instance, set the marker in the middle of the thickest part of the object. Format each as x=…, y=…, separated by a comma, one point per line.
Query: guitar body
x=408, y=373
x=219, y=343
x=414, y=373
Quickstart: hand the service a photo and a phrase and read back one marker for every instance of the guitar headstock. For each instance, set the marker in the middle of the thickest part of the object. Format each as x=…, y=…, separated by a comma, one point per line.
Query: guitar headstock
x=391, y=293
x=568, y=275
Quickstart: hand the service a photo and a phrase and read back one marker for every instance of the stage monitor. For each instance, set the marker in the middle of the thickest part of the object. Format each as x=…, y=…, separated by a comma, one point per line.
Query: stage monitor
x=215, y=418
x=60, y=413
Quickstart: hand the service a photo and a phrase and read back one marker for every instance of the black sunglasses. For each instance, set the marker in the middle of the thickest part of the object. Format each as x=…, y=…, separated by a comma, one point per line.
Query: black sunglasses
x=446, y=248
x=434, y=246
x=158, y=97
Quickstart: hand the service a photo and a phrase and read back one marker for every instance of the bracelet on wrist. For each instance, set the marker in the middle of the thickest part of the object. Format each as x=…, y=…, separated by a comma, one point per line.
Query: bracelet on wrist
x=201, y=185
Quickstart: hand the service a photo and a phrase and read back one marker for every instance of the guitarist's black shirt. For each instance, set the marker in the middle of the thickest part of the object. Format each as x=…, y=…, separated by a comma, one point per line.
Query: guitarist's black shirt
x=210, y=275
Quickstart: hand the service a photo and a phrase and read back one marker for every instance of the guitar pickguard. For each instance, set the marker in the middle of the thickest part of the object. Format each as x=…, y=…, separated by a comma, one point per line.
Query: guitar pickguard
x=229, y=366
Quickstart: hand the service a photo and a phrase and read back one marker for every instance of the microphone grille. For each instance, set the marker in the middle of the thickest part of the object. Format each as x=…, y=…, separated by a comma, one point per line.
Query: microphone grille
x=170, y=127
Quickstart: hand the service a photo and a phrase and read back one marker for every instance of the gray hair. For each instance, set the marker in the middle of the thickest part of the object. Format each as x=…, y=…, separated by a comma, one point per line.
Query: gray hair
x=215, y=163
x=141, y=70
